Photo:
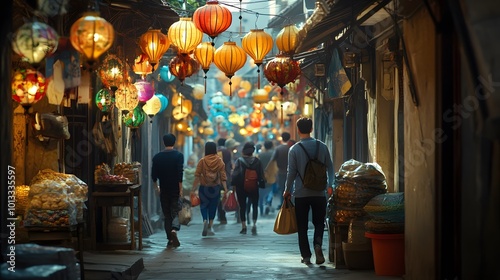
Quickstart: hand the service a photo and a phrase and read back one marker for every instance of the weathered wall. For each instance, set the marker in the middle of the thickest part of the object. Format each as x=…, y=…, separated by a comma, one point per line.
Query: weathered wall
x=420, y=142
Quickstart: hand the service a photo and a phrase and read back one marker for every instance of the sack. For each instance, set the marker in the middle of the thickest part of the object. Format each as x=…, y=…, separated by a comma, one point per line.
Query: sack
x=315, y=177
x=286, y=222
x=195, y=199
x=185, y=213
x=250, y=178
x=271, y=172
x=211, y=176
x=229, y=202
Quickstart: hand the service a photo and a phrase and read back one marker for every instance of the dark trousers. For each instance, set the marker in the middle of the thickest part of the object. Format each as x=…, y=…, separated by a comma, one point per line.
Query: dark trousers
x=170, y=206
x=242, y=201
x=209, y=199
x=318, y=206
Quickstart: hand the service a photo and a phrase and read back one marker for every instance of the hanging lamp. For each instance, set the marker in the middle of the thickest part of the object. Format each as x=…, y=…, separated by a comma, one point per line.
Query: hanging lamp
x=135, y=118
x=154, y=44
x=257, y=44
x=144, y=90
x=33, y=41
x=152, y=107
x=184, y=35
x=142, y=67
x=204, y=53
x=183, y=67
x=104, y=100
x=229, y=58
x=28, y=87
x=212, y=19
x=91, y=35
x=287, y=39
x=126, y=97
x=282, y=70
x=111, y=72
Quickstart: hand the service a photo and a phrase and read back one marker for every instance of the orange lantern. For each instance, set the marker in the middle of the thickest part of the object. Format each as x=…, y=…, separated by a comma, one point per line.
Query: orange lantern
x=282, y=70
x=28, y=87
x=111, y=72
x=142, y=67
x=91, y=35
x=204, y=53
x=183, y=67
x=212, y=19
x=184, y=35
x=154, y=44
x=257, y=44
x=287, y=39
x=229, y=58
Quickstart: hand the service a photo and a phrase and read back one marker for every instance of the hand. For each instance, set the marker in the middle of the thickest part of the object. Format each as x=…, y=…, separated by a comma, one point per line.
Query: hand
x=287, y=195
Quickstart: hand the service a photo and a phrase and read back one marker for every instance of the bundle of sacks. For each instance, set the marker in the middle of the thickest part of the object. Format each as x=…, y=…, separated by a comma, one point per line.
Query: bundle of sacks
x=386, y=213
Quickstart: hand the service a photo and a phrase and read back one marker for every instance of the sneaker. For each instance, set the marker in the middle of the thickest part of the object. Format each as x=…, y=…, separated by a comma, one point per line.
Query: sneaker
x=319, y=254
x=243, y=231
x=175, y=240
x=254, y=230
x=306, y=261
x=205, y=229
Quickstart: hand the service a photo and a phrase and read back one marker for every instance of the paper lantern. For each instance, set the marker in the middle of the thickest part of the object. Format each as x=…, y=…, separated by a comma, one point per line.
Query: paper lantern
x=152, y=106
x=257, y=44
x=287, y=39
x=144, y=90
x=165, y=74
x=28, y=87
x=142, y=67
x=111, y=71
x=179, y=112
x=212, y=19
x=34, y=41
x=282, y=70
x=134, y=118
x=154, y=44
x=126, y=97
x=233, y=118
x=229, y=58
x=184, y=35
x=183, y=67
x=270, y=106
x=204, y=53
x=91, y=35
x=163, y=100
x=104, y=100
x=246, y=85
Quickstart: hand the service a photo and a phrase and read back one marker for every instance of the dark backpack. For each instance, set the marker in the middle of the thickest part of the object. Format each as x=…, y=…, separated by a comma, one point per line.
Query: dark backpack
x=250, y=178
x=315, y=177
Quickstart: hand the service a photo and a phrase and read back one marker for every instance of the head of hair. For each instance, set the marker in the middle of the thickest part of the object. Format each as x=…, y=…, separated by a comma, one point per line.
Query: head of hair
x=210, y=148
x=221, y=142
x=169, y=140
x=285, y=136
x=268, y=144
x=248, y=149
x=304, y=125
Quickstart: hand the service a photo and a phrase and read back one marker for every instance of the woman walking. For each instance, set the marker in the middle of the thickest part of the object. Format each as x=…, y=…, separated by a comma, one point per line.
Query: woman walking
x=210, y=176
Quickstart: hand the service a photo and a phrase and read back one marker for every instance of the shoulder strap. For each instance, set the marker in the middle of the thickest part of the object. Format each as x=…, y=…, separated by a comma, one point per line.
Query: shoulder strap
x=303, y=148
x=317, y=149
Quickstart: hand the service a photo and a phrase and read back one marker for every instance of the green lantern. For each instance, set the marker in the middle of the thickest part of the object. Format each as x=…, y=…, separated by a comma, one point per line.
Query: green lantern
x=104, y=100
x=134, y=118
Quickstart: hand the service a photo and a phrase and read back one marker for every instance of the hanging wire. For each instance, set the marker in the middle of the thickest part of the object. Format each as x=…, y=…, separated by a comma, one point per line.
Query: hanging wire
x=256, y=19
x=240, y=19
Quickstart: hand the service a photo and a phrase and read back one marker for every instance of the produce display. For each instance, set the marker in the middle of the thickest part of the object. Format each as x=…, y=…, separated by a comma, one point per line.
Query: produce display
x=131, y=171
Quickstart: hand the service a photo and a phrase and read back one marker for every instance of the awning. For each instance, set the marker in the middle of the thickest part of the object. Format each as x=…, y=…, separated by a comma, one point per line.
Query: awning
x=342, y=17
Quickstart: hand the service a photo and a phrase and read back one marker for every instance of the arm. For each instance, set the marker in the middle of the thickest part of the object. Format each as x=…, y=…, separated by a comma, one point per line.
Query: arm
x=154, y=177
x=196, y=181
x=223, y=177
x=291, y=174
x=180, y=168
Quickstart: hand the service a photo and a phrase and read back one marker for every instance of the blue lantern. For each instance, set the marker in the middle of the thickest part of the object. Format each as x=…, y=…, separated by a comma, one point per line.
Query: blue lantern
x=165, y=74
x=164, y=102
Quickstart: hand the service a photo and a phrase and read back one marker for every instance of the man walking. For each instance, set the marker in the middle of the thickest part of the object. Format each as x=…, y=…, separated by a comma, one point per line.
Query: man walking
x=307, y=197
x=280, y=155
x=168, y=168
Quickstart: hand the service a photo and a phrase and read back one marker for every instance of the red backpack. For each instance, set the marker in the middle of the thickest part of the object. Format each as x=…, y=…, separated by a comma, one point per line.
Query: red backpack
x=250, y=179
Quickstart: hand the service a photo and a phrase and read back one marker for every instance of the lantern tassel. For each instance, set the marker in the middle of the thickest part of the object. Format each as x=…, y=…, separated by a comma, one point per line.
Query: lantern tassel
x=205, y=83
x=282, y=113
x=230, y=88
x=258, y=77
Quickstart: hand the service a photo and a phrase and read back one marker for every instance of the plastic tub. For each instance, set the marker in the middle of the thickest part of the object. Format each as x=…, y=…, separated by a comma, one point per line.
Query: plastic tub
x=388, y=253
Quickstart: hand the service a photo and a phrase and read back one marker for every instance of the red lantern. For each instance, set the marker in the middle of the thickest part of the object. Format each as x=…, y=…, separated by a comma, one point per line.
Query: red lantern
x=28, y=87
x=282, y=70
x=212, y=19
x=183, y=66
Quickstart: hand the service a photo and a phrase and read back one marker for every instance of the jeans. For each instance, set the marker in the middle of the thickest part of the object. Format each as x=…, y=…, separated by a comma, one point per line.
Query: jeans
x=318, y=206
x=280, y=189
x=170, y=206
x=263, y=197
x=209, y=199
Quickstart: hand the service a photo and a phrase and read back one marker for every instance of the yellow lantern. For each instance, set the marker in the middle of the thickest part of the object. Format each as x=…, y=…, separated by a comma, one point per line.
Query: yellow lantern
x=126, y=97
x=260, y=96
x=204, y=53
x=152, y=106
x=92, y=35
x=184, y=35
x=182, y=126
x=179, y=112
x=142, y=67
x=246, y=85
x=154, y=44
x=287, y=39
x=229, y=58
x=233, y=118
x=257, y=44
x=270, y=106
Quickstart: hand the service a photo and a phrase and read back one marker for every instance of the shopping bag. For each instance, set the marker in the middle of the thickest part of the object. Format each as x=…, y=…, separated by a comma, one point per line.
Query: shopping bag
x=195, y=199
x=185, y=213
x=230, y=203
x=286, y=222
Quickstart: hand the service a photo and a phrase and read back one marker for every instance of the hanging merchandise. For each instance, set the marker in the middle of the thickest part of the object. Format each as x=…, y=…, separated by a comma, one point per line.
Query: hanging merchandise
x=111, y=71
x=142, y=67
x=282, y=70
x=152, y=107
x=183, y=67
x=184, y=35
x=212, y=19
x=204, y=53
x=154, y=44
x=288, y=39
x=163, y=100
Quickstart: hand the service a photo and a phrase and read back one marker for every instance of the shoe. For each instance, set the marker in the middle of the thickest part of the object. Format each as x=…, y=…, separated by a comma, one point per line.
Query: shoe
x=243, y=231
x=175, y=240
x=319, y=254
x=169, y=244
x=210, y=232
x=306, y=261
x=205, y=229
x=254, y=230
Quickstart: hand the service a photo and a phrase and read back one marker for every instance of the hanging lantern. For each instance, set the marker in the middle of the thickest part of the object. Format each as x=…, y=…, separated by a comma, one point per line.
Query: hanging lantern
x=233, y=118
x=289, y=108
x=104, y=100
x=165, y=74
x=111, y=72
x=204, y=53
x=257, y=44
x=287, y=39
x=183, y=67
x=184, y=35
x=154, y=44
x=152, y=107
x=282, y=70
x=91, y=35
x=34, y=41
x=229, y=58
x=53, y=8
x=179, y=112
x=212, y=19
x=28, y=87
x=134, y=118
x=144, y=90
x=246, y=85
x=142, y=67
x=270, y=106
x=126, y=97
x=260, y=96
x=163, y=100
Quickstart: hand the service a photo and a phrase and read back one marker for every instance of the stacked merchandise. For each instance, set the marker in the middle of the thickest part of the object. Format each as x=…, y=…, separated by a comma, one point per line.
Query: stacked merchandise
x=386, y=213
x=118, y=230
x=102, y=175
x=55, y=200
x=355, y=184
x=131, y=171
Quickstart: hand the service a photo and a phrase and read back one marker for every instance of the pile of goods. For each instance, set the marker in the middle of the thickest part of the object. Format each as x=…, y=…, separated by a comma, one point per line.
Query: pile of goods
x=386, y=213
x=102, y=175
x=355, y=184
x=22, y=193
x=55, y=199
x=132, y=171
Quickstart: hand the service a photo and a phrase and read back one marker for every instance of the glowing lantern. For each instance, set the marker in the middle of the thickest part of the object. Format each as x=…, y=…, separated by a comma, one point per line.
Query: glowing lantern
x=91, y=35
x=33, y=41
x=246, y=85
x=270, y=106
x=184, y=35
x=242, y=93
x=104, y=100
x=183, y=67
x=152, y=106
x=126, y=97
x=28, y=87
x=182, y=126
x=229, y=58
x=204, y=53
x=179, y=112
x=134, y=118
x=154, y=44
x=234, y=118
x=287, y=39
x=212, y=19
x=144, y=90
x=289, y=108
x=164, y=102
x=111, y=72
x=142, y=67
x=282, y=70
x=260, y=96
x=257, y=44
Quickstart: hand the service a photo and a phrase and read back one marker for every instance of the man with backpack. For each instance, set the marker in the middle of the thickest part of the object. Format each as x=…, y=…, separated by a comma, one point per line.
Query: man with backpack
x=310, y=173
